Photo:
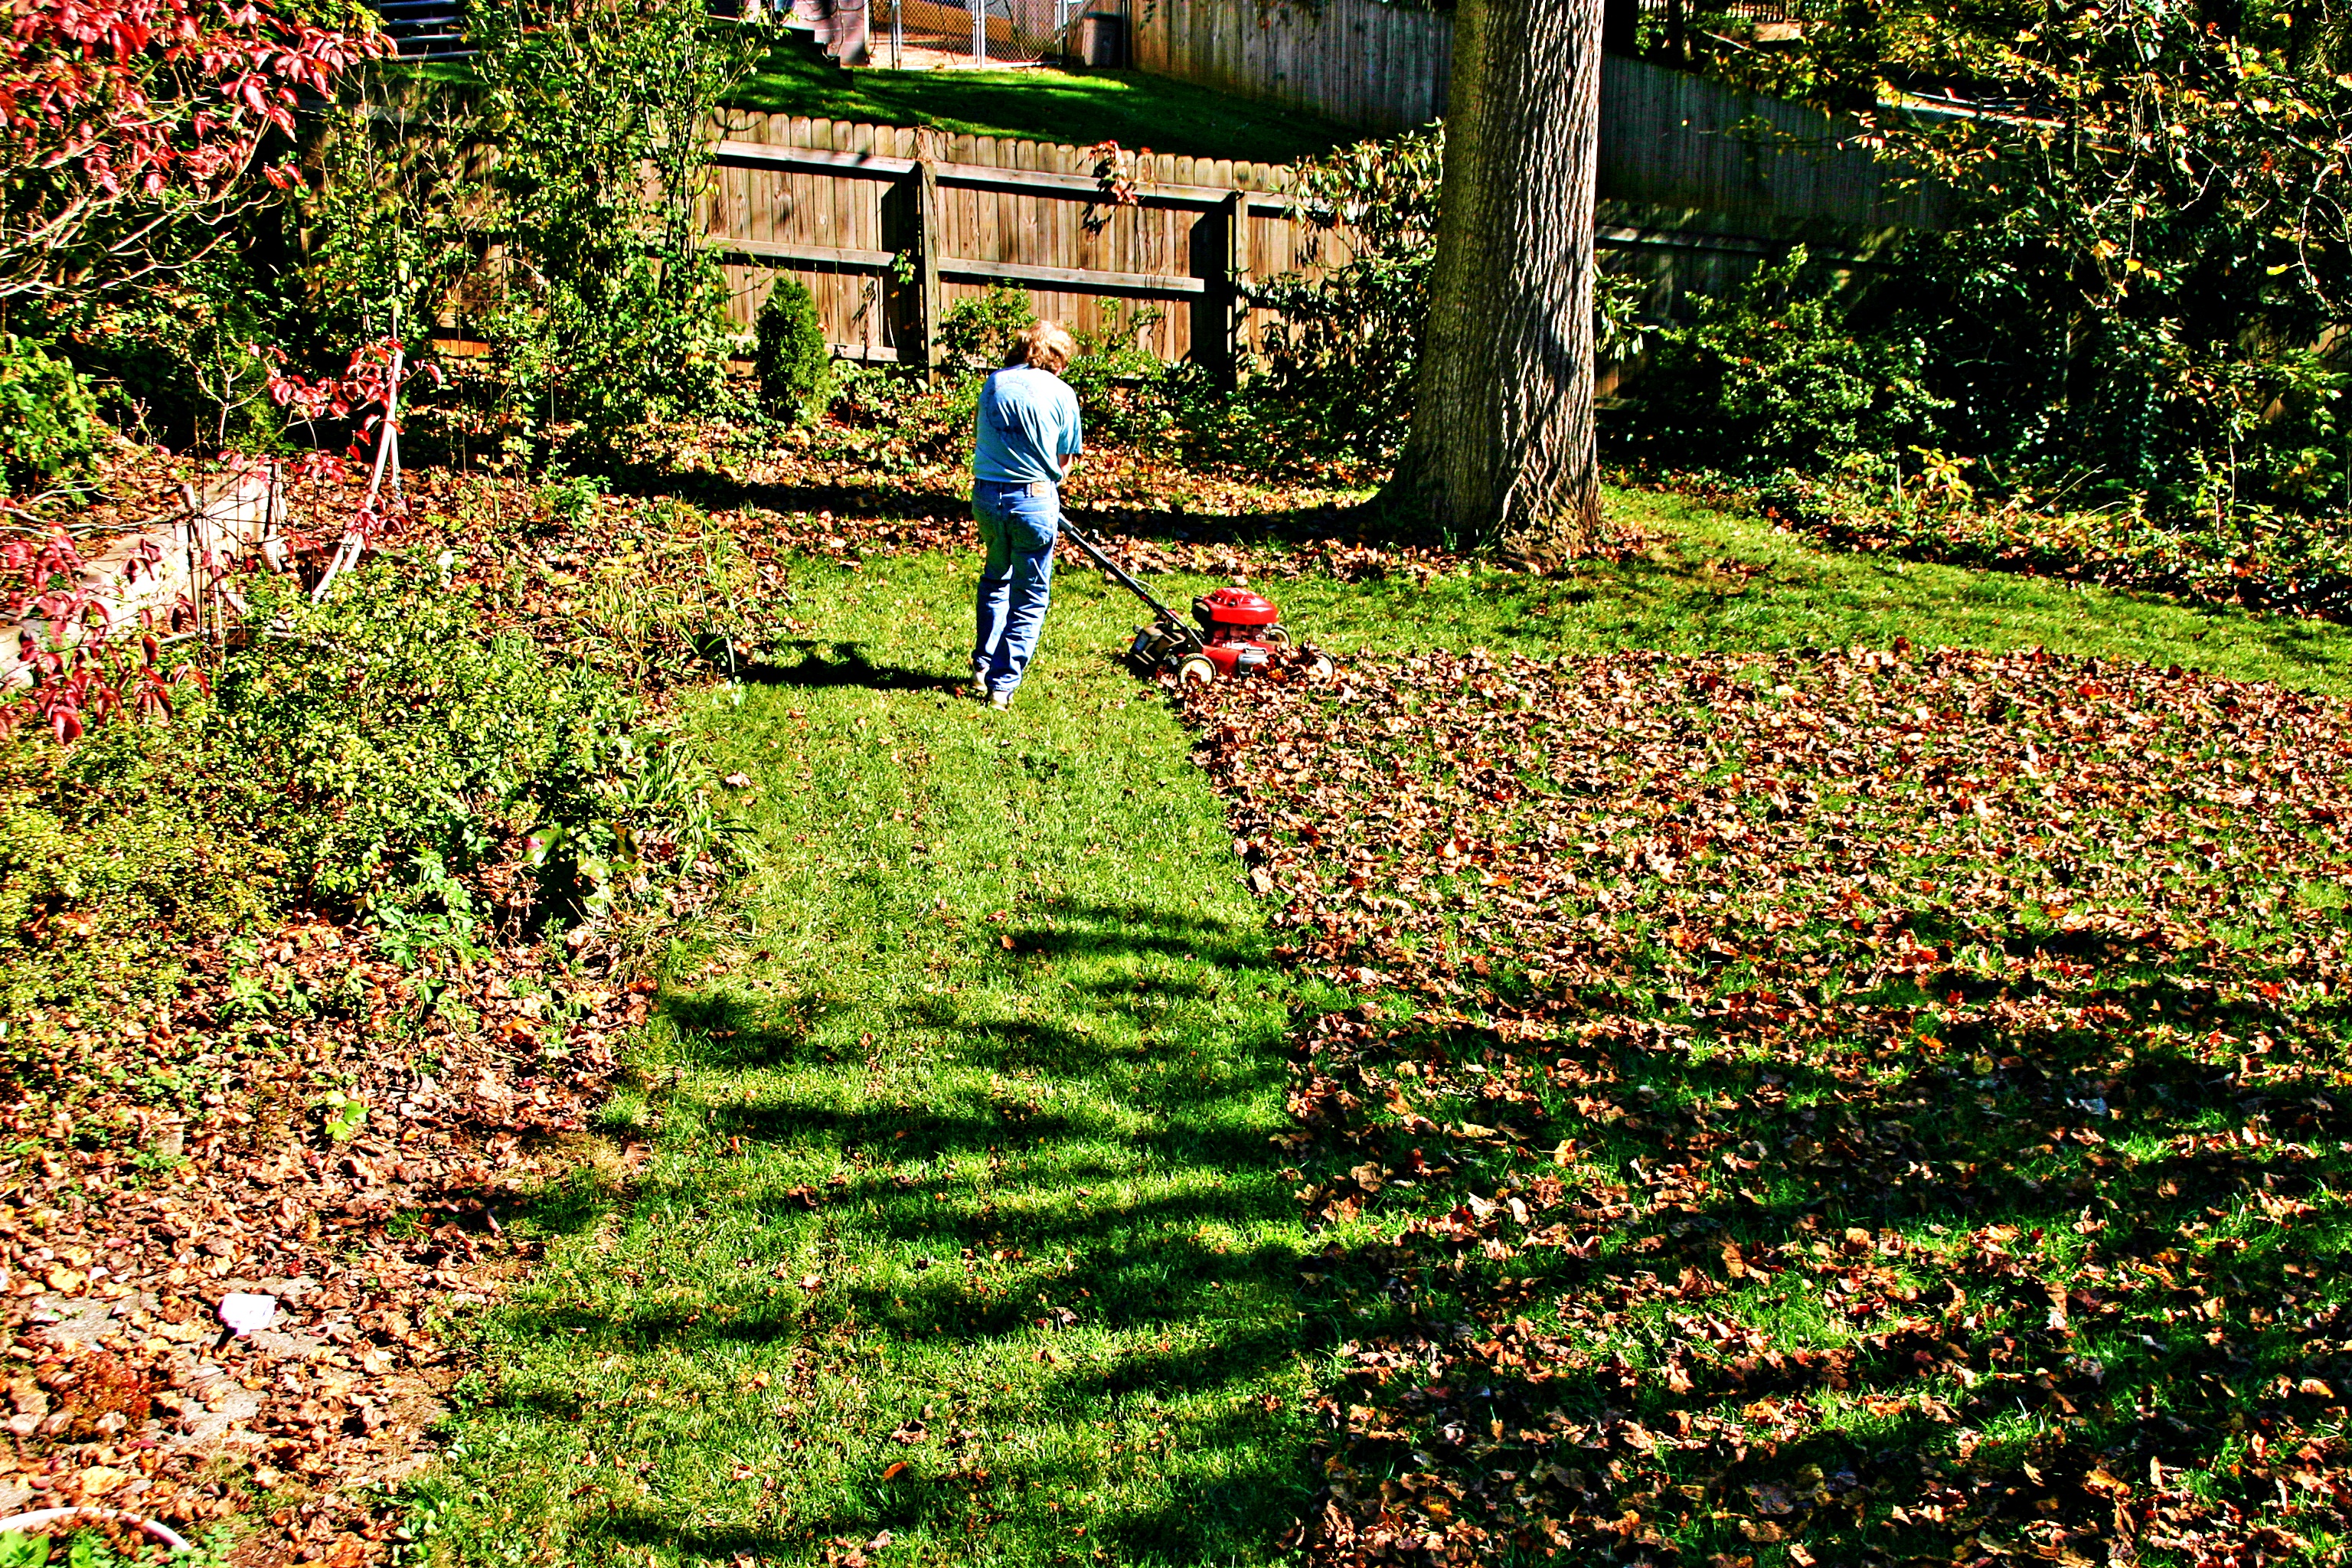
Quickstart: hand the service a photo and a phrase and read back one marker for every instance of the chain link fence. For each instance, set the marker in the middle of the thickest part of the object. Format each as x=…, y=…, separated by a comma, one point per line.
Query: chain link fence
x=920, y=34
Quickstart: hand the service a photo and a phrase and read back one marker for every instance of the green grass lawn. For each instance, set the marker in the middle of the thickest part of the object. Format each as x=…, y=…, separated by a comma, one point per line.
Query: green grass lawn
x=1710, y=580
x=959, y=1127
x=955, y=1128
x=1077, y=107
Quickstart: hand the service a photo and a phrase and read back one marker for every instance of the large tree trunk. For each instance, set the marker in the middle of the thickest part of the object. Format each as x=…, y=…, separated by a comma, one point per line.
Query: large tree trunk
x=1501, y=450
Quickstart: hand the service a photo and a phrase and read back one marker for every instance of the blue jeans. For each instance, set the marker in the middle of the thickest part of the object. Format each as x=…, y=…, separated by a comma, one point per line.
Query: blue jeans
x=1018, y=529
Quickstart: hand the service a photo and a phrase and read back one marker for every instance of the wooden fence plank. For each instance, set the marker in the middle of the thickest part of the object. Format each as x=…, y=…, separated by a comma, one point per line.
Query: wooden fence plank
x=814, y=255
x=800, y=197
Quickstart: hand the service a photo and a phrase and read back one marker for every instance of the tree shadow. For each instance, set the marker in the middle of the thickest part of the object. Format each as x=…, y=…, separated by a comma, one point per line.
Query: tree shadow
x=1069, y=1236
x=1937, y=1251
x=850, y=665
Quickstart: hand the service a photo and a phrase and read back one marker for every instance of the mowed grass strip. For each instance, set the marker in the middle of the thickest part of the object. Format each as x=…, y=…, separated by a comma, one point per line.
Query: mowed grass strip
x=958, y=1218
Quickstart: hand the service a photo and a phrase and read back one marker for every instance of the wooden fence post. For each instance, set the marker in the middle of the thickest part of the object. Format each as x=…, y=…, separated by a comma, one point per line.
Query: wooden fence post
x=910, y=226
x=1221, y=261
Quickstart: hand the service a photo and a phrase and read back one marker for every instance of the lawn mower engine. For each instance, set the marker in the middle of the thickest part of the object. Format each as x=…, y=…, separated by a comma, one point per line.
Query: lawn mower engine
x=1234, y=631
x=1238, y=632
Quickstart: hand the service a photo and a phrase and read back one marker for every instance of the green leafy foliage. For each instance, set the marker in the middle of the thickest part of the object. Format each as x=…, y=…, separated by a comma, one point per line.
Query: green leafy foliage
x=794, y=365
x=49, y=420
x=977, y=331
x=1773, y=377
x=626, y=305
x=369, y=756
x=2147, y=245
x=900, y=421
x=548, y=206
x=181, y=362
x=382, y=727
x=1343, y=349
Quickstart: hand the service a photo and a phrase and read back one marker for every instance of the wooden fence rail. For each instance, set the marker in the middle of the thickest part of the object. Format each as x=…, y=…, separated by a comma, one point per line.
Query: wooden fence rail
x=890, y=227
x=917, y=261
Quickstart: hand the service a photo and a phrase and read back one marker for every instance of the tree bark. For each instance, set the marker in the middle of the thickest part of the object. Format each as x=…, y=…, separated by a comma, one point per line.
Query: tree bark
x=1501, y=452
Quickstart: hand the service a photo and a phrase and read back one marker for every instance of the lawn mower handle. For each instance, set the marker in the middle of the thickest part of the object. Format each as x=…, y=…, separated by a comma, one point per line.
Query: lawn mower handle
x=1120, y=575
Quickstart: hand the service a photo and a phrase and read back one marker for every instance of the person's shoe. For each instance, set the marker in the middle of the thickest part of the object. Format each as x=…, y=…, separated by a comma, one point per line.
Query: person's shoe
x=980, y=676
x=999, y=699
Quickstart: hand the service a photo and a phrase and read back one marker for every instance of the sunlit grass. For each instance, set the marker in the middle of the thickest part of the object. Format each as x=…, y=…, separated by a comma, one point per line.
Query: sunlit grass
x=1077, y=108
x=956, y=1125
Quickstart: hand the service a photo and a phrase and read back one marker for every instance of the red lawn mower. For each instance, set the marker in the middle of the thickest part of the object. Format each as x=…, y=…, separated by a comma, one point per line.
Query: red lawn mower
x=1236, y=631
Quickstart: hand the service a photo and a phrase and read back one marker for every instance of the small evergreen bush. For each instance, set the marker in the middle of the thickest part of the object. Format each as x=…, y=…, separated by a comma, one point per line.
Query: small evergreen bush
x=49, y=420
x=795, y=368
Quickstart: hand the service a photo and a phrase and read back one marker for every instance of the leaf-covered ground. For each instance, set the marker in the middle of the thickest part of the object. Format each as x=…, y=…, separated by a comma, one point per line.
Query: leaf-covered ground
x=281, y=1026
x=2277, y=560
x=1848, y=1108
x=360, y=1189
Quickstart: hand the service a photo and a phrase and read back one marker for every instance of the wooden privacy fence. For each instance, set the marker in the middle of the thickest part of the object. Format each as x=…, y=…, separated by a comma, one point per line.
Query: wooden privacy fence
x=1668, y=138
x=890, y=226
x=1375, y=66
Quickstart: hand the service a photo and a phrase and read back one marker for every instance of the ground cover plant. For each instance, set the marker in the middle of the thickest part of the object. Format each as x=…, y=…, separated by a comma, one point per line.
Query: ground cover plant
x=1832, y=1107
x=305, y=987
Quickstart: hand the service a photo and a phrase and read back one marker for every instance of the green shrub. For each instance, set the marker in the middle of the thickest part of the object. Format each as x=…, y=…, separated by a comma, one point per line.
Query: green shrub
x=976, y=334
x=364, y=758
x=177, y=364
x=49, y=420
x=796, y=366
x=1771, y=377
x=605, y=307
x=1344, y=347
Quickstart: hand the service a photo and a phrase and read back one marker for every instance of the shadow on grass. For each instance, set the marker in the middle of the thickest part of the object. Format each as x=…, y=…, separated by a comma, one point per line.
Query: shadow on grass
x=850, y=666
x=1093, y=1226
x=2046, y=1287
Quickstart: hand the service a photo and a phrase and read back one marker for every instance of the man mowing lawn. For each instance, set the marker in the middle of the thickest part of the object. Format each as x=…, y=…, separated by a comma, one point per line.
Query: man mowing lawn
x=1028, y=431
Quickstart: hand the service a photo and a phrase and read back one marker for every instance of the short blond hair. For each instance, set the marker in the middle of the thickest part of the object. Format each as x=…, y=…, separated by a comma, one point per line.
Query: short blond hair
x=1046, y=345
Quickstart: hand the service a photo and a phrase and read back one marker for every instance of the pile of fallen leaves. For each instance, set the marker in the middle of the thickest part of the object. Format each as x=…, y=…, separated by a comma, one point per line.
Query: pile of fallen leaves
x=346, y=1137
x=1865, y=1106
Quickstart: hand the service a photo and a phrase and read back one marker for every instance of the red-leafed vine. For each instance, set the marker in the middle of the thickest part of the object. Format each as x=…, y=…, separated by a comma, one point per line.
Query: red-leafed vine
x=136, y=126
